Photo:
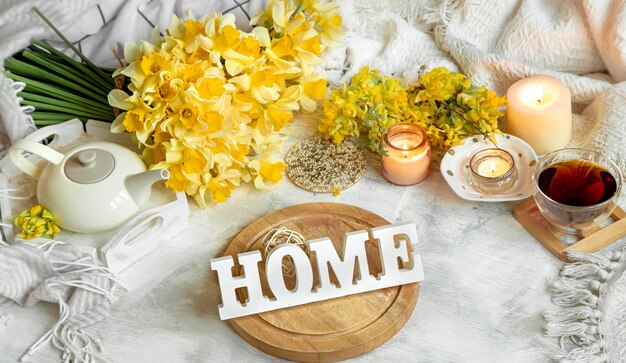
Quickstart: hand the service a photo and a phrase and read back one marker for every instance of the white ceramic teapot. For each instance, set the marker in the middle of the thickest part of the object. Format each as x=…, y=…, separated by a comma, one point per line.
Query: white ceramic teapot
x=91, y=188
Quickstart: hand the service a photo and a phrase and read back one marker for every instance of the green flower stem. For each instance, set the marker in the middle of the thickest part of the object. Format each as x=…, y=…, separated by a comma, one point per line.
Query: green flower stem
x=54, y=101
x=41, y=51
x=72, y=68
x=47, y=107
x=26, y=69
x=71, y=46
x=55, y=116
x=47, y=89
x=50, y=65
x=41, y=123
x=79, y=66
x=48, y=92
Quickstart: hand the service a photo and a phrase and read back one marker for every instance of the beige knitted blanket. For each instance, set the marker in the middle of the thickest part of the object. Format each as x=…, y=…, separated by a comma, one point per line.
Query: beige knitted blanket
x=494, y=42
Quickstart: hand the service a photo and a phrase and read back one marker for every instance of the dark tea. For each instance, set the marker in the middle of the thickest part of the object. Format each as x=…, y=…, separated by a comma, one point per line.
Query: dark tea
x=577, y=183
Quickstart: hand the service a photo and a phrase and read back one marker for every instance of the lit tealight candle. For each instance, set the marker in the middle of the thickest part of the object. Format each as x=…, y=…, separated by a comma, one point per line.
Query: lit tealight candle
x=492, y=171
x=492, y=167
x=539, y=111
x=408, y=154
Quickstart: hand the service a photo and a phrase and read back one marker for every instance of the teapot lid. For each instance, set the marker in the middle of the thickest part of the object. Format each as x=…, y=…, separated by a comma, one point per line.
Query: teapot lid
x=89, y=166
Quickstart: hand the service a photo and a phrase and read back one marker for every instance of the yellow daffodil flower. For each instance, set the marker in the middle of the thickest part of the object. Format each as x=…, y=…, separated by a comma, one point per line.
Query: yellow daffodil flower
x=36, y=222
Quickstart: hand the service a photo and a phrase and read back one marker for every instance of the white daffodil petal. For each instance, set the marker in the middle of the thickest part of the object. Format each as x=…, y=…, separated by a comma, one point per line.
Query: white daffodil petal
x=117, y=126
x=262, y=35
x=131, y=52
x=118, y=98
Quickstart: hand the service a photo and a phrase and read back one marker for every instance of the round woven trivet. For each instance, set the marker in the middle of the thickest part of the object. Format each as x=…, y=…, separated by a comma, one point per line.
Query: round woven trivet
x=320, y=166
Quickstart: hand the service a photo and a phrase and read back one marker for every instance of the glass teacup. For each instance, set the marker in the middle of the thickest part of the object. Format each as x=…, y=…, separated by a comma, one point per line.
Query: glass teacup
x=576, y=218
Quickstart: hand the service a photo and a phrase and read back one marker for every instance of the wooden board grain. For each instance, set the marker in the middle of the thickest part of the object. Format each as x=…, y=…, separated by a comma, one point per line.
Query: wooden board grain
x=329, y=330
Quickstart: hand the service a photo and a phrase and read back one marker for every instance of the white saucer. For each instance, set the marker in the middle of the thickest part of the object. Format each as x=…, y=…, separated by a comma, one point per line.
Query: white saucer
x=455, y=168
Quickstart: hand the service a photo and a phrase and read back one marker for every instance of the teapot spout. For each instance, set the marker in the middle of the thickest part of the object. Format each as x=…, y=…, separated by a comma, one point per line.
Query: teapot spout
x=139, y=185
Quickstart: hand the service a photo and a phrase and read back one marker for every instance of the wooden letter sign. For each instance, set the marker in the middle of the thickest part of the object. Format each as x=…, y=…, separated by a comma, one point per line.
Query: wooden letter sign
x=326, y=257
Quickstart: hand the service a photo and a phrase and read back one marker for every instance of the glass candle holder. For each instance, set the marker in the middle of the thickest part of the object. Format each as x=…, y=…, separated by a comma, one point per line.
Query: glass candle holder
x=492, y=171
x=408, y=154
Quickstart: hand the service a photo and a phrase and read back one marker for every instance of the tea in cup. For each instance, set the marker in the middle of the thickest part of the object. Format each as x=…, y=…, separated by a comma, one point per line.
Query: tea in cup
x=577, y=189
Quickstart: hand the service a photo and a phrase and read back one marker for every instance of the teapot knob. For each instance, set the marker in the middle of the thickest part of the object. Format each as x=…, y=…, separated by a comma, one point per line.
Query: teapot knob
x=87, y=157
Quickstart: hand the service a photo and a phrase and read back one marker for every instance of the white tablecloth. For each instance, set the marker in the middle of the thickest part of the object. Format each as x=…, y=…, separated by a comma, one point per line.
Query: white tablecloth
x=485, y=291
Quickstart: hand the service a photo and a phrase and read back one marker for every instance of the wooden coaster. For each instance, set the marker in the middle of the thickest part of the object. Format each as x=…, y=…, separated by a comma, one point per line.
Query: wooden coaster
x=590, y=241
x=330, y=330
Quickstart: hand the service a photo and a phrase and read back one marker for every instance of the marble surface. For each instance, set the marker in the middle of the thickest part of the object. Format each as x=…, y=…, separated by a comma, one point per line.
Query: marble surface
x=485, y=291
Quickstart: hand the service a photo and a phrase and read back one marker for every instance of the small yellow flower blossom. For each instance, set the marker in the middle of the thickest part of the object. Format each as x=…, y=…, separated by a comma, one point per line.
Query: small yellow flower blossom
x=36, y=222
x=444, y=104
x=336, y=192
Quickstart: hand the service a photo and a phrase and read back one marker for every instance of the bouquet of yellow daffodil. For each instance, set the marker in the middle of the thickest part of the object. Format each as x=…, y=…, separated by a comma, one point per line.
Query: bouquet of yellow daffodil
x=208, y=100
x=443, y=102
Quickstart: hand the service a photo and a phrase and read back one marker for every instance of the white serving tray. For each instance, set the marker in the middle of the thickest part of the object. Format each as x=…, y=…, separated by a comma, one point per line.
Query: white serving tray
x=117, y=248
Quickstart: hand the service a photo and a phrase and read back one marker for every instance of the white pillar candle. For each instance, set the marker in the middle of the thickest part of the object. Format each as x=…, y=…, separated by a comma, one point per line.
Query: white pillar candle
x=539, y=111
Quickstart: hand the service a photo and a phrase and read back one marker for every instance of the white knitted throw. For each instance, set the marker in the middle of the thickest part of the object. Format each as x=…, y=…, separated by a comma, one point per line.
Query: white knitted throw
x=59, y=273
x=493, y=42
x=590, y=321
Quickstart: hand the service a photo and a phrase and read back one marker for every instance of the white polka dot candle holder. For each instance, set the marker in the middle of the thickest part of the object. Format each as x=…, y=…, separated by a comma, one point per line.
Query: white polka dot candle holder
x=500, y=173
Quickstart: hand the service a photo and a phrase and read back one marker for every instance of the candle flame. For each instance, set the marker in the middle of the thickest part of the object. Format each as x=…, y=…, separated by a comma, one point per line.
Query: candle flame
x=493, y=168
x=404, y=153
x=538, y=93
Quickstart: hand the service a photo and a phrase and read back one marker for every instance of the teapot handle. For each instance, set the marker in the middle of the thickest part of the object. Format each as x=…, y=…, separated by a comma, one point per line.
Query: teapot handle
x=15, y=154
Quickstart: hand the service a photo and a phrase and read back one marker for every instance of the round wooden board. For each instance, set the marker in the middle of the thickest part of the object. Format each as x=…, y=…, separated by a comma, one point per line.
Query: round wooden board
x=330, y=330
